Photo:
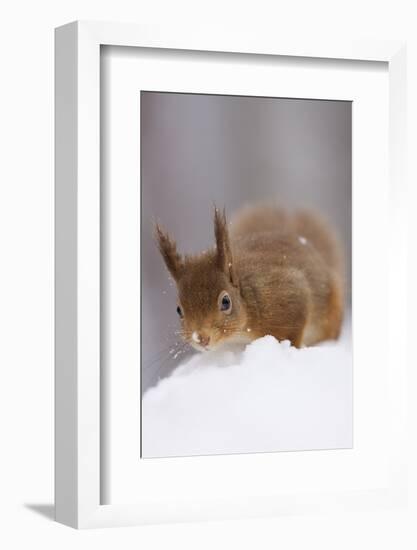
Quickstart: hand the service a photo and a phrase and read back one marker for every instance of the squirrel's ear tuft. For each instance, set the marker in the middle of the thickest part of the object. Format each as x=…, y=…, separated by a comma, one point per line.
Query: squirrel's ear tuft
x=168, y=250
x=224, y=253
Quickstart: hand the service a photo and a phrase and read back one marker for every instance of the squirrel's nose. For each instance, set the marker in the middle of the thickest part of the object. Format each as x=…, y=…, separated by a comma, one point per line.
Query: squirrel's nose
x=201, y=339
x=204, y=340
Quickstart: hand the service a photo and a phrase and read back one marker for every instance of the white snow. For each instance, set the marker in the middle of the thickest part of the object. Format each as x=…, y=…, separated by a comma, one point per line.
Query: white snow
x=268, y=397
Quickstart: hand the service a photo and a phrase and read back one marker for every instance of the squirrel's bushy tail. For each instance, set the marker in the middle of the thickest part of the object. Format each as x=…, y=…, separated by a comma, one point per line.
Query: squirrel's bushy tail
x=314, y=228
x=306, y=224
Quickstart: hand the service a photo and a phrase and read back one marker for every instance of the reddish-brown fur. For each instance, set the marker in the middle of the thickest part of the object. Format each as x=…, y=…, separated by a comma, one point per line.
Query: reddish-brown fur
x=282, y=272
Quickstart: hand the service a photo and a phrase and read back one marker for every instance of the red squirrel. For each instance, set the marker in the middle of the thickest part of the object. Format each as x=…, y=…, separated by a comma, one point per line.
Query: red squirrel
x=271, y=272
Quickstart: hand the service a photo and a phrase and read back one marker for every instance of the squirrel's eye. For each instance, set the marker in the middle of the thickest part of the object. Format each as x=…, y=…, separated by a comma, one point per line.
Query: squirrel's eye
x=225, y=303
x=179, y=311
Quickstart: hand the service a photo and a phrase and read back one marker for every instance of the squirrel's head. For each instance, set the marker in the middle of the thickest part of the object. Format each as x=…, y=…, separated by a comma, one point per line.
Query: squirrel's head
x=209, y=303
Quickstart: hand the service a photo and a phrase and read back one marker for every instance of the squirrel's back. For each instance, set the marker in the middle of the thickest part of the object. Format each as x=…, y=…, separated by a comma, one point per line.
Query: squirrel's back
x=271, y=245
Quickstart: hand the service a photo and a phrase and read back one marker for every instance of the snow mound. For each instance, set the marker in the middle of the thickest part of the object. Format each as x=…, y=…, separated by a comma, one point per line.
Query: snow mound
x=268, y=397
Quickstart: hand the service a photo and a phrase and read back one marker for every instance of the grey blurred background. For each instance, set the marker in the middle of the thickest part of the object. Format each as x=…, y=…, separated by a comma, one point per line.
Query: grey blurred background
x=231, y=150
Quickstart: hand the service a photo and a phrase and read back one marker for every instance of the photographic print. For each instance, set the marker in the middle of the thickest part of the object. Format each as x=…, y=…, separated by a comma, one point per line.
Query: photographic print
x=245, y=274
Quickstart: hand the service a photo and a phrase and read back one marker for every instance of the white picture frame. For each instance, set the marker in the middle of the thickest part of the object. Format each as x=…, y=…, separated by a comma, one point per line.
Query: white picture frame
x=77, y=422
